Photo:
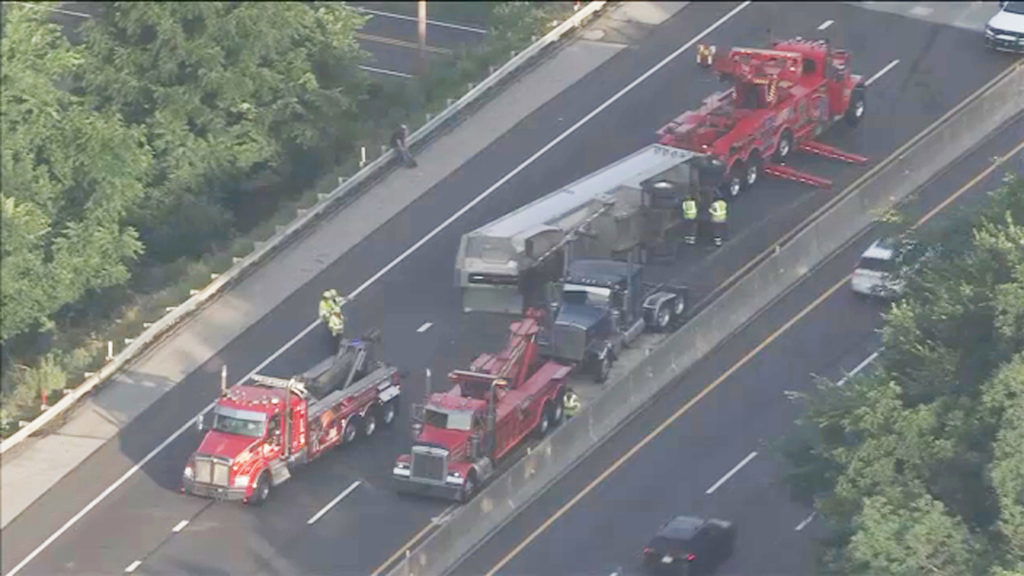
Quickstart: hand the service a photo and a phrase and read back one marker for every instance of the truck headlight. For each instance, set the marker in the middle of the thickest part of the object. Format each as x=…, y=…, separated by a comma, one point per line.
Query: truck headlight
x=401, y=469
x=241, y=481
x=189, y=473
x=455, y=478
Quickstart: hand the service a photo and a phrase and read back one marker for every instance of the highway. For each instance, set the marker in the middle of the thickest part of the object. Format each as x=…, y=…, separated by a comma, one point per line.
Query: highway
x=727, y=443
x=134, y=523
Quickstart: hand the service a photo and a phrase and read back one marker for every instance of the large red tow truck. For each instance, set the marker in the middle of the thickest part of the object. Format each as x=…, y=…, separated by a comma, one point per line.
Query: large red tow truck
x=264, y=427
x=782, y=99
x=463, y=433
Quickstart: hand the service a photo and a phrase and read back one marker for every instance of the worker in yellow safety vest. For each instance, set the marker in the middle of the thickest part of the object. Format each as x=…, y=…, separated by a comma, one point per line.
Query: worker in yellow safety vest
x=689, y=220
x=330, y=311
x=705, y=55
x=570, y=403
x=719, y=213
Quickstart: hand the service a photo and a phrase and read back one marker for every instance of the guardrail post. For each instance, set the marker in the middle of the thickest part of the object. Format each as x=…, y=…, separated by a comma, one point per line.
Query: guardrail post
x=362, y=156
x=110, y=349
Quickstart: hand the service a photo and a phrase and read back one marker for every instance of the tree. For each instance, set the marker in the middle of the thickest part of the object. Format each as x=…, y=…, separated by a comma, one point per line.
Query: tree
x=69, y=176
x=222, y=89
x=919, y=465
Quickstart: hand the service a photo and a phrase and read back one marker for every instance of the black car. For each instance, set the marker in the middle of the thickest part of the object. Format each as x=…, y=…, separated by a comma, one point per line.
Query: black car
x=690, y=546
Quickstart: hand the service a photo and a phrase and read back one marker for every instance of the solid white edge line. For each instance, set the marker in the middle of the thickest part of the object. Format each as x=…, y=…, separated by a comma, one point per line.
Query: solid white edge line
x=414, y=19
x=664, y=62
x=385, y=72
x=878, y=74
x=131, y=567
x=859, y=367
x=730, y=473
x=426, y=326
x=179, y=526
x=331, y=504
x=806, y=521
x=824, y=25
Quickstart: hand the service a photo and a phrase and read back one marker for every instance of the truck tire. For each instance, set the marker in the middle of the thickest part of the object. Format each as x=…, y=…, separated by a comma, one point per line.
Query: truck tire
x=370, y=422
x=733, y=184
x=678, y=310
x=604, y=367
x=388, y=411
x=753, y=171
x=855, y=112
x=558, y=413
x=784, y=147
x=544, y=422
x=261, y=491
x=663, y=318
x=351, y=429
x=468, y=488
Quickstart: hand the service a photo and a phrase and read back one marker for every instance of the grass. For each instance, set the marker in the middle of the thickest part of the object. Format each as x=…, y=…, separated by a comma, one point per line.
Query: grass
x=81, y=347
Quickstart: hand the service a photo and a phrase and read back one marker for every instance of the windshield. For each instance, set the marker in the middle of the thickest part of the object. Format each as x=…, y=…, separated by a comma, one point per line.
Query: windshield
x=238, y=424
x=877, y=265
x=1014, y=7
x=449, y=419
x=591, y=295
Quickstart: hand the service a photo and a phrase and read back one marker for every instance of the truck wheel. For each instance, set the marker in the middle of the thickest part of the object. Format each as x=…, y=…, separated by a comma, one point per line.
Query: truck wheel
x=559, y=409
x=855, y=111
x=734, y=184
x=388, y=412
x=784, y=147
x=351, y=427
x=468, y=488
x=262, y=490
x=369, y=423
x=544, y=424
x=604, y=367
x=663, y=317
x=679, y=307
x=753, y=171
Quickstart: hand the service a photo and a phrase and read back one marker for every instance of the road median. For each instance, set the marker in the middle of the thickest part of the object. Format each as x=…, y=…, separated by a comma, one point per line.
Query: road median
x=772, y=275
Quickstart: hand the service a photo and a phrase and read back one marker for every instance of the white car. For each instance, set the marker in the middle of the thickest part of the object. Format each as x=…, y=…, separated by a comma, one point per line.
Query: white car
x=875, y=273
x=1005, y=31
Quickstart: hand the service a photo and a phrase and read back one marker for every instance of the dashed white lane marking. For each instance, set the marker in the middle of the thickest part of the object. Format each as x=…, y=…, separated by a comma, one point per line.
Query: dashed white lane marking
x=859, y=367
x=806, y=521
x=826, y=24
x=385, y=72
x=426, y=326
x=131, y=567
x=429, y=21
x=878, y=74
x=730, y=473
x=331, y=504
x=179, y=526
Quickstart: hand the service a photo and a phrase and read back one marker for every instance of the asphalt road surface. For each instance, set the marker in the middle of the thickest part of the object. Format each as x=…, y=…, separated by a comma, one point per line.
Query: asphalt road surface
x=748, y=413
x=133, y=525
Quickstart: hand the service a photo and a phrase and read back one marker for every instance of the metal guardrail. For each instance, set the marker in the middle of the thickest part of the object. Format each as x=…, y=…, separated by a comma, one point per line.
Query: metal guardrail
x=905, y=171
x=288, y=234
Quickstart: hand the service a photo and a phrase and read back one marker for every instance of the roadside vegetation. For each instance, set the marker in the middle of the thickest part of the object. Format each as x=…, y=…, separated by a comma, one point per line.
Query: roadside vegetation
x=918, y=465
x=143, y=159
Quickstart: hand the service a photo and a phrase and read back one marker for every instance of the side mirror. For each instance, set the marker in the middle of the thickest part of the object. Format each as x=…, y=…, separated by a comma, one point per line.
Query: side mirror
x=200, y=425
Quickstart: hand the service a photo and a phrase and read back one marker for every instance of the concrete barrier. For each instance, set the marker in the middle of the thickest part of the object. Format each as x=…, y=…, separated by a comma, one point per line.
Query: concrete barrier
x=909, y=168
x=298, y=227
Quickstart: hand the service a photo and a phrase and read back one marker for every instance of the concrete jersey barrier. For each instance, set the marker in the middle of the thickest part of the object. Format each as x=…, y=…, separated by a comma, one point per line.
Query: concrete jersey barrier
x=883, y=187
x=285, y=236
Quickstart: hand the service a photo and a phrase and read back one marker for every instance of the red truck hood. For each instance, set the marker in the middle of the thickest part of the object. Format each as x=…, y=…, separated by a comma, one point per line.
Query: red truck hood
x=225, y=445
x=450, y=439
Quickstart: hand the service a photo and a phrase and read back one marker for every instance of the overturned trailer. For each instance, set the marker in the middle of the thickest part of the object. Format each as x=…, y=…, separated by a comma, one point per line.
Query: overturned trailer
x=622, y=211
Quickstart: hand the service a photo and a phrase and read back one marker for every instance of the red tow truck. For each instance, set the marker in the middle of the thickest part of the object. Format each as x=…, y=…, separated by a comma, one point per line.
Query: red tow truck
x=463, y=433
x=782, y=99
x=264, y=427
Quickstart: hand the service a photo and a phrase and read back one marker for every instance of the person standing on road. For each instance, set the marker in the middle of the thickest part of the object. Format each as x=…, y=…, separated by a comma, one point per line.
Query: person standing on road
x=330, y=312
x=398, y=141
x=570, y=403
x=719, y=215
x=690, y=220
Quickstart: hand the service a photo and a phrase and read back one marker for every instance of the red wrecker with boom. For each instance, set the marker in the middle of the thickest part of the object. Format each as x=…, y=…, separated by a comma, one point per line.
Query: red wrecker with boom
x=782, y=99
x=265, y=426
x=463, y=433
